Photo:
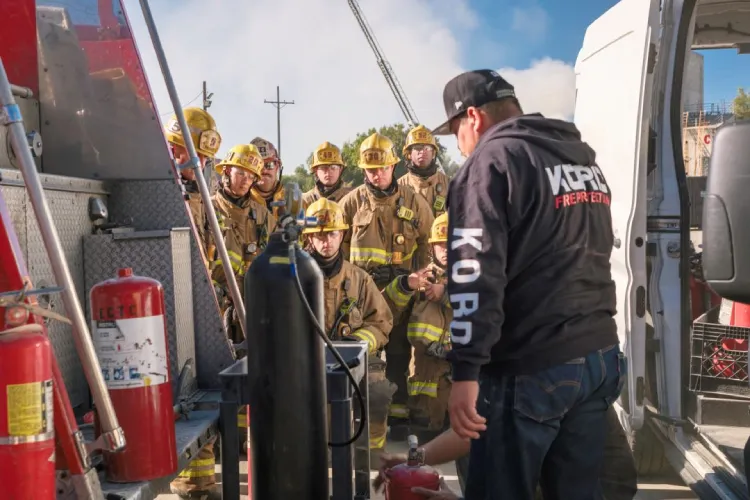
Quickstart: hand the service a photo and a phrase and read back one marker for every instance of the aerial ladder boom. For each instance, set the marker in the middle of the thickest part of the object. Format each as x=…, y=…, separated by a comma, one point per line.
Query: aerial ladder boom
x=385, y=66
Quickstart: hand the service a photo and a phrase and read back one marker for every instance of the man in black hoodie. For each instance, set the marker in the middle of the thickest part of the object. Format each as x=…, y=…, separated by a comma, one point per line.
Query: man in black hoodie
x=535, y=353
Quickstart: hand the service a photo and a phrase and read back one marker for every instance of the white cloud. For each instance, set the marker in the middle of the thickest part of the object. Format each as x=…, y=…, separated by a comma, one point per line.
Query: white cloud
x=531, y=21
x=318, y=55
x=548, y=86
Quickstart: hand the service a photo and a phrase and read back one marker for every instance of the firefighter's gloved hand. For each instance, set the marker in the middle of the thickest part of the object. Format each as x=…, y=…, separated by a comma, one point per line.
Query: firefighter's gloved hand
x=436, y=350
x=220, y=293
x=398, y=271
x=382, y=275
x=380, y=395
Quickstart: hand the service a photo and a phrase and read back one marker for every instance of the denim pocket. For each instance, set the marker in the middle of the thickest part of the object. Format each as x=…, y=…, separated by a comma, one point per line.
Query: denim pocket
x=549, y=394
x=620, y=378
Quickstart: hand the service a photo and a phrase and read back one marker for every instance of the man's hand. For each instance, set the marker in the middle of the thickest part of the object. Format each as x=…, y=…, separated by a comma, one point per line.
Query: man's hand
x=444, y=493
x=434, y=292
x=418, y=280
x=462, y=406
x=387, y=461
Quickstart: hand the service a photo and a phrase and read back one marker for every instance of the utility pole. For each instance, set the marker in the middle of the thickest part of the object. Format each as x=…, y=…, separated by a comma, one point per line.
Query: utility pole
x=208, y=171
x=206, y=97
x=278, y=104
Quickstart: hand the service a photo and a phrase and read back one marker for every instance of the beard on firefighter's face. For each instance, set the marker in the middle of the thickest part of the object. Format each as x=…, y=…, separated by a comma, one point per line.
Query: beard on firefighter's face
x=327, y=244
x=328, y=175
x=240, y=180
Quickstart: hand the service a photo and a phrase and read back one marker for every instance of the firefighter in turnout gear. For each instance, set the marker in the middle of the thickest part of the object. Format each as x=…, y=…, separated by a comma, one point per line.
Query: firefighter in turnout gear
x=327, y=167
x=390, y=226
x=207, y=142
x=420, y=152
x=269, y=191
x=422, y=297
x=246, y=225
x=354, y=309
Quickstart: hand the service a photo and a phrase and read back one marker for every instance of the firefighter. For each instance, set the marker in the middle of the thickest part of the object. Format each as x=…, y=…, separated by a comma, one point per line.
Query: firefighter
x=429, y=316
x=246, y=225
x=327, y=167
x=390, y=226
x=420, y=152
x=207, y=142
x=269, y=189
x=354, y=309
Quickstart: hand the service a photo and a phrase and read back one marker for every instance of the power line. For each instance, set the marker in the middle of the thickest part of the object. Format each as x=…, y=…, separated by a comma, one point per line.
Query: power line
x=191, y=101
x=278, y=104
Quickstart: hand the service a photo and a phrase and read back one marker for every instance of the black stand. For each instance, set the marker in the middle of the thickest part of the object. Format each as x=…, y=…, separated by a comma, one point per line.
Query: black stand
x=346, y=461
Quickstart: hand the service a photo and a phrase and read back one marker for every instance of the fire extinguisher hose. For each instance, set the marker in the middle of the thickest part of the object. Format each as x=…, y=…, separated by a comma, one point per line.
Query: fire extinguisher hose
x=321, y=331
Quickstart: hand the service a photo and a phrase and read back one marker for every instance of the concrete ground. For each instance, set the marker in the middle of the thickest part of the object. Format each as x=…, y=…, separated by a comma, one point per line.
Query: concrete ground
x=663, y=488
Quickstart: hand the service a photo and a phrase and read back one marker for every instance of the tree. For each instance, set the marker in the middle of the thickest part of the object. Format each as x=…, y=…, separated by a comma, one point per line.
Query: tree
x=350, y=152
x=741, y=104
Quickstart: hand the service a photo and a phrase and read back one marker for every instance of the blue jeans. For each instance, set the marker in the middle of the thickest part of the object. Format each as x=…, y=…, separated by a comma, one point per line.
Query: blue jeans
x=548, y=428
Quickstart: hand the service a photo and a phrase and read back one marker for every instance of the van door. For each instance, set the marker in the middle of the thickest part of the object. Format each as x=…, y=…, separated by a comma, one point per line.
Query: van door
x=614, y=72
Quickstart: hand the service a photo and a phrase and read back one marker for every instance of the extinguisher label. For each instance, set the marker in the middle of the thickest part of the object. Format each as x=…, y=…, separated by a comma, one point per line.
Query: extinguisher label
x=30, y=410
x=132, y=352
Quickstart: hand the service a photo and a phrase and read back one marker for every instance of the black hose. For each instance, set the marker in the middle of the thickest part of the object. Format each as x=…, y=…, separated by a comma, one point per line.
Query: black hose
x=321, y=331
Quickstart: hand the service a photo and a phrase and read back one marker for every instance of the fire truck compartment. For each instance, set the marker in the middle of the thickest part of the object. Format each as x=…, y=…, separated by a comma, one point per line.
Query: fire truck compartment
x=153, y=237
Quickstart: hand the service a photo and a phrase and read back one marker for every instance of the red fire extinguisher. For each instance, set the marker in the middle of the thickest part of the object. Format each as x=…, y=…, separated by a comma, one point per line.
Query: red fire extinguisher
x=27, y=436
x=130, y=334
x=402, y=478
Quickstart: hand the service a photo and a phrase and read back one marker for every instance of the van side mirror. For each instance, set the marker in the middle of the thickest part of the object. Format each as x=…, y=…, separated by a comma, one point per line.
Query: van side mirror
x=726, y=214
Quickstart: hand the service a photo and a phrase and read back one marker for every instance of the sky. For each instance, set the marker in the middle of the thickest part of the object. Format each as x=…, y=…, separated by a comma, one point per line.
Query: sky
x=315, y=51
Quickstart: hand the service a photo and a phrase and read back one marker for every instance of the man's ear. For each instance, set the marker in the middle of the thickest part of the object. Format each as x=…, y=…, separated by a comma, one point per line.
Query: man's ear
x=476, y=118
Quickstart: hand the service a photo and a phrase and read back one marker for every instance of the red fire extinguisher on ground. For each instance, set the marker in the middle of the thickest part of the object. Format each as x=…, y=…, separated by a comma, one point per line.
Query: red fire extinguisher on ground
x=27, y=436
x=130, y=334
x=402, y=478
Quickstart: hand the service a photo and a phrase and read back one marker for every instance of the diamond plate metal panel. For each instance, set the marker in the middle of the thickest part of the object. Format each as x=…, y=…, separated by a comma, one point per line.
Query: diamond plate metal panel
x=159, y=205
x=148, y=254
x=183, y=295
x=150, y=204
x=15, y=199
x=213, y=349
x=70, y=215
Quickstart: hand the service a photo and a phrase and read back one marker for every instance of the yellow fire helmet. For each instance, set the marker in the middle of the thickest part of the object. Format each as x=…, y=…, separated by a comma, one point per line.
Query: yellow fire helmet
x=202, y=129
x=327, y=154
x=439, y=230
x=330, y=217
x=267, y=150
x=244, y=156
x=419, y=135
x=377, y=151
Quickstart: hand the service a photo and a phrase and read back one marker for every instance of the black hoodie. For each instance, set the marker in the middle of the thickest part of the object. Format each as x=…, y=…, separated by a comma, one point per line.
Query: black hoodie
x=528, y=256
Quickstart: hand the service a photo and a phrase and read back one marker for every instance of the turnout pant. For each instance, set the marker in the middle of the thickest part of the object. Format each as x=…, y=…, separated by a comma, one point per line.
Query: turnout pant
x=398, y=358
x=199, y=476
x=548, y=428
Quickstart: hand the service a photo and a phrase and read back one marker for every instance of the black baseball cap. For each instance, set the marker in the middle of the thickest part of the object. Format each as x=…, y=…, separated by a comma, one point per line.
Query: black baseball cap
x=473, y=88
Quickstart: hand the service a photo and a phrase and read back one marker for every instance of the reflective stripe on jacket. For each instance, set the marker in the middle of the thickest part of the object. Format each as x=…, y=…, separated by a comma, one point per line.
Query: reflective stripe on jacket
x=354, y=306
x=428, y=323
x=378, y=236
x=245, y=228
